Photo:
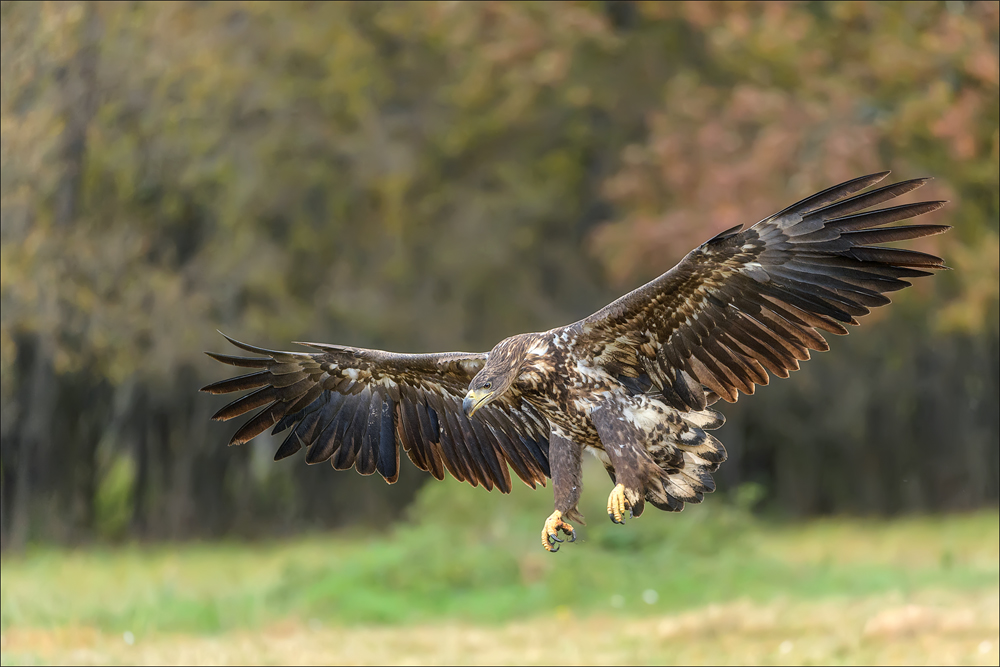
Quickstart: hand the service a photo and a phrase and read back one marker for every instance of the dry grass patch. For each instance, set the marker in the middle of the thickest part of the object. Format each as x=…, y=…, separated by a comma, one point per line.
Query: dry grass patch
x=932, y=627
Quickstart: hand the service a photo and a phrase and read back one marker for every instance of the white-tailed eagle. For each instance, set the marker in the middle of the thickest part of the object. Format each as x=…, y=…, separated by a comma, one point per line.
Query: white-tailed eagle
x=632, y=383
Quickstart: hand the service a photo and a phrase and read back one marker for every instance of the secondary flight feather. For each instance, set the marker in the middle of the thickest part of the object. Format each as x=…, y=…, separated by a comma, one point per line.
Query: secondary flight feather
x=633, y=383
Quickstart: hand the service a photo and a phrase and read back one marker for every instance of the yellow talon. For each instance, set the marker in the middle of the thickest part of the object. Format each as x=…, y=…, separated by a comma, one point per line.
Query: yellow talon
x=550, y=531
x=617, y=504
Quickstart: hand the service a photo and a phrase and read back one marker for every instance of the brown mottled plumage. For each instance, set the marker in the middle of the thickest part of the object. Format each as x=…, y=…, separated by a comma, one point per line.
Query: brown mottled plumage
x=632, y=383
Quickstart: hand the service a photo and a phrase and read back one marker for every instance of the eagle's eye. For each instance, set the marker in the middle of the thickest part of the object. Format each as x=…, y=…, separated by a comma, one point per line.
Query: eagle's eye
x=488, y=385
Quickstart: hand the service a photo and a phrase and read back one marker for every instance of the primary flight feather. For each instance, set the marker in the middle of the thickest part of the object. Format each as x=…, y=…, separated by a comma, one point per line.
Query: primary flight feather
x=632, y=383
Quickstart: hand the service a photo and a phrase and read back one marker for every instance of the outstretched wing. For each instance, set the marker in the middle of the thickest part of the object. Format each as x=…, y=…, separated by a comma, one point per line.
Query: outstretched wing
x=354, y=407
x=745, y=303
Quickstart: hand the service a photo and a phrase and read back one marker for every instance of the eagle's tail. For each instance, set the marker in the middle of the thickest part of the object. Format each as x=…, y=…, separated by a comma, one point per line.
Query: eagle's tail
x=687, y=462
x=658, y=453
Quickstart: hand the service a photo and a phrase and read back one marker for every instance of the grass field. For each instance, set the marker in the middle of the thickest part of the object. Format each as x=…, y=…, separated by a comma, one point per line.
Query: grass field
x=466, y=581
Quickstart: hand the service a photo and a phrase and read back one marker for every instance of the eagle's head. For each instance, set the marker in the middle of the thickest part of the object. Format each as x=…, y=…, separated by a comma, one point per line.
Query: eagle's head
x=503, y=365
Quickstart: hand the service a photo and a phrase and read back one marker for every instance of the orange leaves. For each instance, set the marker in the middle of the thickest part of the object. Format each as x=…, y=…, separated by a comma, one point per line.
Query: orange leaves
x=787, y=98
x=958, y=126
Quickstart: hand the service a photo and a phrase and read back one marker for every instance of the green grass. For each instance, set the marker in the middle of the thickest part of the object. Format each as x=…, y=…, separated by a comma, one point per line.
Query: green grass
x=470, y=556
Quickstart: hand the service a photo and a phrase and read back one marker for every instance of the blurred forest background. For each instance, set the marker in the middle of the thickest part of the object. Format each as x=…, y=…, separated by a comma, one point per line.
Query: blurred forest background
x=436, y=176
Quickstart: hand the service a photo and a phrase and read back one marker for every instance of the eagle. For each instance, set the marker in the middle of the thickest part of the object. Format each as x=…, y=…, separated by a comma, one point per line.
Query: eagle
x=633, y=383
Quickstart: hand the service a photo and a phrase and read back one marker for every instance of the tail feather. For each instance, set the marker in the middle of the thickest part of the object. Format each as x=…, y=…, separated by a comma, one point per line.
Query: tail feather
x=687, y=464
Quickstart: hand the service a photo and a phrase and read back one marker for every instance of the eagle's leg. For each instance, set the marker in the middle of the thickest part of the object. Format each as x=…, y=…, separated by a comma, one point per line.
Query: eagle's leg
x=631, y=464
x=567, y=482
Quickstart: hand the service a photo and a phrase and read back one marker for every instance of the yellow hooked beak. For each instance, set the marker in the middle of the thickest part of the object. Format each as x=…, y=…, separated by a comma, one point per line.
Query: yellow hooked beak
x=474, y=399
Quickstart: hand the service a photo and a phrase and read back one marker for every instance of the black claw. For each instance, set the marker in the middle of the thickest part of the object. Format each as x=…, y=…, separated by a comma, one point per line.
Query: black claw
x=553, y=538
x=555, y=547
x=572, y=536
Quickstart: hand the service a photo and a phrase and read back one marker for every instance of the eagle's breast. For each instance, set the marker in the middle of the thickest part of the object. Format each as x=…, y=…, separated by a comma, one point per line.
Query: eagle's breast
x=566, y=383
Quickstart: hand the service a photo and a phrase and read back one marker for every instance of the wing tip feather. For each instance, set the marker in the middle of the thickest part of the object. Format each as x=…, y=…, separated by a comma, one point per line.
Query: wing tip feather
x=868, y=180
x=316, y=346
